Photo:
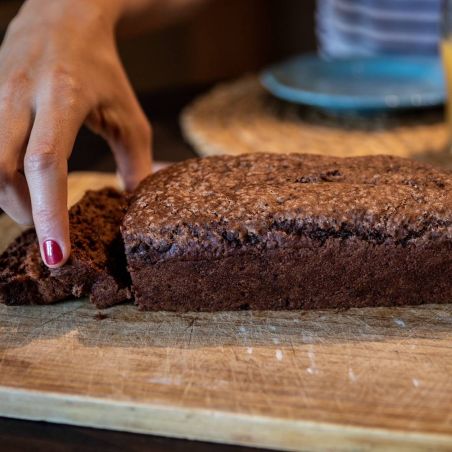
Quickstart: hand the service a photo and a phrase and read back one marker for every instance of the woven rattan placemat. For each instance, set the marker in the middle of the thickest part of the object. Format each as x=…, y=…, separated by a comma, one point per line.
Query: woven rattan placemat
x=240, y=117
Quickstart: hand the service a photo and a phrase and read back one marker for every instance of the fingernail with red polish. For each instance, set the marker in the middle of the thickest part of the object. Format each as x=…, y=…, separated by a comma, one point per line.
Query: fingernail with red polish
x=52, y=252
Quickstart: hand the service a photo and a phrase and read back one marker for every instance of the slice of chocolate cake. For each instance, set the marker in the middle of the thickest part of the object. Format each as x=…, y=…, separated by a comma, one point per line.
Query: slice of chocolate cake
x=266, y=231
x=96, y=267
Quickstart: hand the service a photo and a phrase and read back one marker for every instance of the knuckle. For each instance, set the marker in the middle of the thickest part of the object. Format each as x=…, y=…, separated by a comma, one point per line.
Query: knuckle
x=20, y=78
x=67, y=88
x=41, y=159
x=63, y=78
x=14, y=85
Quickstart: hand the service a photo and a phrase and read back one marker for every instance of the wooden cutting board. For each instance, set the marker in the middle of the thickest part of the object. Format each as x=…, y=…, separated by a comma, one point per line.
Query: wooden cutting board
x=362, y=379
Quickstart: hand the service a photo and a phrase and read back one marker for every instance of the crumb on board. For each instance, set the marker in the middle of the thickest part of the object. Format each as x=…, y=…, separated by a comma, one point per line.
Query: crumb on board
x=400, y=322
x=100, y=316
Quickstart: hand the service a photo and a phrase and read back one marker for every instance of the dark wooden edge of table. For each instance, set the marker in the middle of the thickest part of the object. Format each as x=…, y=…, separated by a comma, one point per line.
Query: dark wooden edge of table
x=17, y=435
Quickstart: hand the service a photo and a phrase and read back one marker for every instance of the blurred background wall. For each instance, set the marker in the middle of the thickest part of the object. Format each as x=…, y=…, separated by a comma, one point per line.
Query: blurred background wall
x=224, y=39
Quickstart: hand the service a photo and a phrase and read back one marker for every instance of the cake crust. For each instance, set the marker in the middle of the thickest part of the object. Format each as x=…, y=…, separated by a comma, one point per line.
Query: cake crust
x=266, y=231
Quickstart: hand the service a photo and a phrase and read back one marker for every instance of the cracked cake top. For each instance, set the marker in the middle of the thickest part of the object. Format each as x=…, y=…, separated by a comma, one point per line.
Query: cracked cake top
x=204, y=208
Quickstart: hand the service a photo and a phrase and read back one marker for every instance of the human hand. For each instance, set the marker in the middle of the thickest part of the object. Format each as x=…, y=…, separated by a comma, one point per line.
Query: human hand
x=59, y=68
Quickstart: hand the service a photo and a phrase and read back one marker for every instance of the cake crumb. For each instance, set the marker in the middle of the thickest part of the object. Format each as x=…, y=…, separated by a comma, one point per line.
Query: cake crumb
x=100, y=316
x=249, y=350
x=279, y=355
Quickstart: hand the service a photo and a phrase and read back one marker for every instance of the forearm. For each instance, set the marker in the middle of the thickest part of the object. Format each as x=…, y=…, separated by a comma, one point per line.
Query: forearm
x=138, y=15
x=130, y=16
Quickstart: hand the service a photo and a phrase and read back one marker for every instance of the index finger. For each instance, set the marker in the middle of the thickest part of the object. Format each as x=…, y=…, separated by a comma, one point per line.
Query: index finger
x=51, y=142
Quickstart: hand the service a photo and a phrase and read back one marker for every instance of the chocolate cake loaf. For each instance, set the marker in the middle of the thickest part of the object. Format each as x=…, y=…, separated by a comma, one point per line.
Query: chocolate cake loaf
x=96, y=266
x=293, y=231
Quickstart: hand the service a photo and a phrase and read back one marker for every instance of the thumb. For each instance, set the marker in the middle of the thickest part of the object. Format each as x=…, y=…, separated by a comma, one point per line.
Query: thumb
x=129, y=135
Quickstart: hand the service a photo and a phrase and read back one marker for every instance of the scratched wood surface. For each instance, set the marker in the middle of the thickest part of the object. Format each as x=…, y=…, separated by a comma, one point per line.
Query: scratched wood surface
x=362, y=379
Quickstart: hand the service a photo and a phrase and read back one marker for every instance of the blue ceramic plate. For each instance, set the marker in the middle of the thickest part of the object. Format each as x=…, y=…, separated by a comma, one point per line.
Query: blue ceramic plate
x=361, y=83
